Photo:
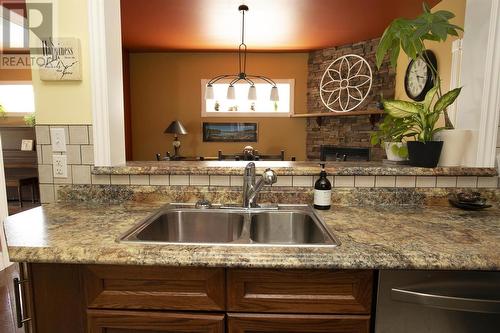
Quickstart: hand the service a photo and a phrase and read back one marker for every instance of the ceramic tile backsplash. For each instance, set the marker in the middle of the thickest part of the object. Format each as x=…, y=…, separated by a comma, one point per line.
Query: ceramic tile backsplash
x=466, y=181
x=80, y=157
x=385, y=181
x=405, y=181
x=302, y=181
x=120, y=179
x=219, y=180
x=78, y=135
x=139, y=180
x=159, y=180
x=344, y=181
x=426, y=181
x=364, y=181
x=80, y=154
x=179, y=180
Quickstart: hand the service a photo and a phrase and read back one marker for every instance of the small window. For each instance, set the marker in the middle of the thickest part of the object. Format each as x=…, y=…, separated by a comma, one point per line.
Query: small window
x=241, y=106
x=17, y=99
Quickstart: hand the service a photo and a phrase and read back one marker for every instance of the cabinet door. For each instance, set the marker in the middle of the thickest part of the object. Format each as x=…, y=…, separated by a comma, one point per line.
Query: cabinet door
x=155, y=288
x=111, y=321
x=290, y=323
x=300, y=291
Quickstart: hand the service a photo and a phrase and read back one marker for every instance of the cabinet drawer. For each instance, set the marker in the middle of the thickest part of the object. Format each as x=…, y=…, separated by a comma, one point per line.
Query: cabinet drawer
x=267, y=323
x=161, y=288
x=112, y=321
x=299, y=291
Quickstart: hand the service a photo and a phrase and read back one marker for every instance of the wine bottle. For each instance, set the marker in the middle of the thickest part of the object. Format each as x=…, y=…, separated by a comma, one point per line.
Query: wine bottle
x=322, y=191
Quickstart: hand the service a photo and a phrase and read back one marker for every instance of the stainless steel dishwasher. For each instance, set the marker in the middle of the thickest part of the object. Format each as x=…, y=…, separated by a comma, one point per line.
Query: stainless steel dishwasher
x=438, y=302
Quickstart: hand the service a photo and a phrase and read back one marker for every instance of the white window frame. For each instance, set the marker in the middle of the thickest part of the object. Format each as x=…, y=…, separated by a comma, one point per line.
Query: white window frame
x=18, y=114
x=225, y=114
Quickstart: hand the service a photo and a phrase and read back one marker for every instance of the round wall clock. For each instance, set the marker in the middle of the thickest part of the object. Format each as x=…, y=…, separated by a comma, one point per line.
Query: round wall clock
x=419, y=78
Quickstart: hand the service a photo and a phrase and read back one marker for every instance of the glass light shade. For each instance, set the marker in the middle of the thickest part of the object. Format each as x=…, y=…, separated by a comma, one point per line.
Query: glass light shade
x=274, y=94
x=230, y=92
x=252, y=93
x=209, y=92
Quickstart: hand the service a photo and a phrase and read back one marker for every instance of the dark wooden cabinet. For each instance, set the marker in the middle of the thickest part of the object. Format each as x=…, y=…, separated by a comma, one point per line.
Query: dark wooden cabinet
x=112, y=321
x=156, y=288
x=299, y=291
x=147, y=299
x=297, y=323
x=57, y=297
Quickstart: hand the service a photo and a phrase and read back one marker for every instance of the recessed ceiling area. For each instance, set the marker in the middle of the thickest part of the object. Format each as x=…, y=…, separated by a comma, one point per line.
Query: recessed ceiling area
x=271, y=25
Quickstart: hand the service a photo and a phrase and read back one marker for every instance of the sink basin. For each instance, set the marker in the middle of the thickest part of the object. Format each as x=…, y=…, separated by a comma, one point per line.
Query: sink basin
x=285, y=227
x=180, y=226
x=296, y=225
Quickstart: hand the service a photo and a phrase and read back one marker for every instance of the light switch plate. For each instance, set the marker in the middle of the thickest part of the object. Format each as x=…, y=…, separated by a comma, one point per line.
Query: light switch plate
x=58, y=139
x=60, y=166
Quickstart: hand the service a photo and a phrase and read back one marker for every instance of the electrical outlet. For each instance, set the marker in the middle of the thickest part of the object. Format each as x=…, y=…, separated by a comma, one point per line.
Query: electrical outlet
x=58, y=139
x=60, y=166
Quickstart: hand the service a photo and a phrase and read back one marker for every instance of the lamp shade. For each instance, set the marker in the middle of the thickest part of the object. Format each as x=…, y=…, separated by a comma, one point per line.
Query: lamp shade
x=230, y=92
x=175, y=128
x=274, y=94
x=209, y=92
x=252, y=93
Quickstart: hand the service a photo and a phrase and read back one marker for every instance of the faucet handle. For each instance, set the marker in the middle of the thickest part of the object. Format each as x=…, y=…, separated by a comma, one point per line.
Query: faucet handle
x=269, y=177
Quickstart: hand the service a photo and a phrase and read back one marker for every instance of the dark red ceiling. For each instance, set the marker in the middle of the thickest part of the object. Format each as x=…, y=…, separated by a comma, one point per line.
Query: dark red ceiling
x=271, y=25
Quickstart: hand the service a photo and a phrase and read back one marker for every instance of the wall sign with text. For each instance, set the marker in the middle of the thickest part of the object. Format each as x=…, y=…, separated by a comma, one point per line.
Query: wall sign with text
x=62, y=60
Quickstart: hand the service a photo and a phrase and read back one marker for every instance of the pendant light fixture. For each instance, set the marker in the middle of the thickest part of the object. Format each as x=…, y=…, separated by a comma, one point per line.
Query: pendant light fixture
x=242, y=75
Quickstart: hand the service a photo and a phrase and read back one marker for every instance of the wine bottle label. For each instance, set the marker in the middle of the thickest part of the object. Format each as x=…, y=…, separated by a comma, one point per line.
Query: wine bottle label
x=322, y=197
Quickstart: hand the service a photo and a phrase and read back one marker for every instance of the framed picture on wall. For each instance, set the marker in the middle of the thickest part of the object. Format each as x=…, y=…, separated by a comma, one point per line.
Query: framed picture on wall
x=229, y=132
x=26, y=145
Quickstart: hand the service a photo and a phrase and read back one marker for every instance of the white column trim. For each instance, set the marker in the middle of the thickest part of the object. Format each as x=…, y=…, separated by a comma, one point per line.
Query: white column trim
x=455, y=79
x=488, y=127
x=4, y=212
x=106, y=82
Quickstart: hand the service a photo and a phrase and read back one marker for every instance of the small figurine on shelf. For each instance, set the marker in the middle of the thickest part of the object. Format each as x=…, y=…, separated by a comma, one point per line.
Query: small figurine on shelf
x=275, y=106
x=252, y=106
x=217, y=106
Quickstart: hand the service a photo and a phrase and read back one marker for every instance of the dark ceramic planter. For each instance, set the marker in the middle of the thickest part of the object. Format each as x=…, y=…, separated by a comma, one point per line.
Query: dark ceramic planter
x=424, y=154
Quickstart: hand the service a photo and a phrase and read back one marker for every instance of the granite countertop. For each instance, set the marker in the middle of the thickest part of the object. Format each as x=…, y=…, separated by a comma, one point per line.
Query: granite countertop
x=286, y=168
x=372, y=238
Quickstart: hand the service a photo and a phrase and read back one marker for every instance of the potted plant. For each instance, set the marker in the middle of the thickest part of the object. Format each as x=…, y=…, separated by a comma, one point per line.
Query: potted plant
x=410, y=35
x=391, y=133
x=422, y=118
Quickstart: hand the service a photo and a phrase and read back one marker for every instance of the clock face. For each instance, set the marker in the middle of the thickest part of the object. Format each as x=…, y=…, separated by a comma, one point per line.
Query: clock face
x=419, y=78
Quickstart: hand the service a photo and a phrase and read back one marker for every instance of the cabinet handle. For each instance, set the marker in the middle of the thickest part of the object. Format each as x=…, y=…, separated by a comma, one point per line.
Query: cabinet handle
x=457, y=303
x=18, y=295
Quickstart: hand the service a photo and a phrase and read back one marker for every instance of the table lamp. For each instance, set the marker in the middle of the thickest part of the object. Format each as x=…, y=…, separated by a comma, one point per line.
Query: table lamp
x=176, y=128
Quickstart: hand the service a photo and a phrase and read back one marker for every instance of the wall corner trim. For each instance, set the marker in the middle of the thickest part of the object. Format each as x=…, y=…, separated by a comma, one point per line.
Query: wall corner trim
x=106, y=82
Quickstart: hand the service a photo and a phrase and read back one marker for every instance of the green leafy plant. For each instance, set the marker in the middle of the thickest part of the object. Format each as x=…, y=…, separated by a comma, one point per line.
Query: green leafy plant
x=391, y=129
x=410, y=36
x=30, y=120
x=3, y=113
x=422, y=116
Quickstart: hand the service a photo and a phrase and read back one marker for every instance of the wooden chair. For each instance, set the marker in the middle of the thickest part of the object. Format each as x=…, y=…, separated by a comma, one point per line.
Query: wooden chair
x=19, y=181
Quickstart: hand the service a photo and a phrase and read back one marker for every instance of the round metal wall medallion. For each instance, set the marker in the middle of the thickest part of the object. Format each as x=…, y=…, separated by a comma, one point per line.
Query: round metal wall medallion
x=346, y=83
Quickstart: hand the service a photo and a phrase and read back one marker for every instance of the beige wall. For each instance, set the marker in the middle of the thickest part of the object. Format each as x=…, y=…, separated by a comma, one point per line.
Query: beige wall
x=167, y=86
x=66, y=102
x=442, y=50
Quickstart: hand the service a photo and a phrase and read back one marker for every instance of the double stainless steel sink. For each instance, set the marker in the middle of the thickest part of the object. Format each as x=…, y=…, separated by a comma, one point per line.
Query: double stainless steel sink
x=283, y=225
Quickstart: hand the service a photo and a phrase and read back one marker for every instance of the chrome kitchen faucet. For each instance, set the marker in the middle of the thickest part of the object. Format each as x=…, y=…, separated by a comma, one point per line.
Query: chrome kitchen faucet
x=251, y=188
